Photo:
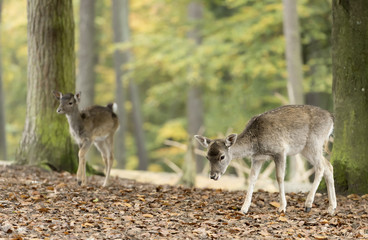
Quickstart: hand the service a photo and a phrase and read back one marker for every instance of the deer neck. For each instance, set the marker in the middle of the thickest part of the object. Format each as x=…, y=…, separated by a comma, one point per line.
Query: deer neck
x=75, y=120
x=242, y=147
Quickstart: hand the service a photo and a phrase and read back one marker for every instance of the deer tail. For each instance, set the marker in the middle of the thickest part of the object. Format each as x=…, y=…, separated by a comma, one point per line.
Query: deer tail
x=113, y=107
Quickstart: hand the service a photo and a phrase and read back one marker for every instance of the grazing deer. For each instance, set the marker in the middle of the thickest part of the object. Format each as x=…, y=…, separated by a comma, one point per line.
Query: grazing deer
x=96, y=124
x=275, y=134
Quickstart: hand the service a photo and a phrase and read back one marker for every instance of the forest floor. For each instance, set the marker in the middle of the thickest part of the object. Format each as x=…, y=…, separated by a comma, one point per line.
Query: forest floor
x=35, y=203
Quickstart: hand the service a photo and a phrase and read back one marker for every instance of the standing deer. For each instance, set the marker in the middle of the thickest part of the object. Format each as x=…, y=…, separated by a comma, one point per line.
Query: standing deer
x=276, y=134
x=96, y=124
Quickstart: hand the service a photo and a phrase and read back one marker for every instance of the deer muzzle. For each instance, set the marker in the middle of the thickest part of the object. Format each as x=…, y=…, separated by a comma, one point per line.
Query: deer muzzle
x=215, y=176
x=60, y=111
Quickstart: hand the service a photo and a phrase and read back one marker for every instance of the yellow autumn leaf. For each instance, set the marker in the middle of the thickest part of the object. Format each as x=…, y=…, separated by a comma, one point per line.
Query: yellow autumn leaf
x=275, y=204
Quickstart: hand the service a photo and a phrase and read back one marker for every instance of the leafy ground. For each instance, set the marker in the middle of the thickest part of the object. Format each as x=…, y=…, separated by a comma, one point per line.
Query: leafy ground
x=38, y=204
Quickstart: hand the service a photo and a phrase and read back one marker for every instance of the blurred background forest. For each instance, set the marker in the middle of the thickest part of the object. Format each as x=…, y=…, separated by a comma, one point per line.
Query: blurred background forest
x=239, y=66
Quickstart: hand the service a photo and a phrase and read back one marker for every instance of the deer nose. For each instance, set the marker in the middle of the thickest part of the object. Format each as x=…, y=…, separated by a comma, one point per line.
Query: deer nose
x=59, y=110
x=214, y=176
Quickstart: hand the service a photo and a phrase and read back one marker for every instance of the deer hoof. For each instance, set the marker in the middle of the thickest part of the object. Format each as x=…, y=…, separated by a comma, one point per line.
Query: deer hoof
x=307, y=209
x=79, y=182
x=282, y=210
x=331, y=211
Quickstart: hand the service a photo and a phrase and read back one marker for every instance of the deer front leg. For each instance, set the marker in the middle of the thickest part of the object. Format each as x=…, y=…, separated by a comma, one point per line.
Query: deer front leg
x=254, y=172
x=81, y=173
x=280, y=162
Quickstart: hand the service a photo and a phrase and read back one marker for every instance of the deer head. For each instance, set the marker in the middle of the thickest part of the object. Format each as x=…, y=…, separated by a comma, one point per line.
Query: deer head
x=218, y=153
x=68, y=102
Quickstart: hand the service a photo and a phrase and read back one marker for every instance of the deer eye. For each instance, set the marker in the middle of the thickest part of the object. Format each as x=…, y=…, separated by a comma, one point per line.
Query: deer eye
x=222, y=157
x=70, y=103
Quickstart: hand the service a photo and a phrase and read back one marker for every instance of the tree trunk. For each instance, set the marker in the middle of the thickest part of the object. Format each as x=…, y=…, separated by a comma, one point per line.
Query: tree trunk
x=86, y=54
x=293, y=52
x=138, y=126
x=294, y=67
x=3, y=153
x=134, y=96
x=51, y=66
x=118, y=12
x=350, y=89
x=189, y=169
x=194, y=98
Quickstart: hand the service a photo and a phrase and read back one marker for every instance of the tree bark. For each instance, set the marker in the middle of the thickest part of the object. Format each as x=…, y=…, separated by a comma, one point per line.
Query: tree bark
x=51, y=66
x=87, y=53
x=118, y=11
x=194, y=98
x=3, y=152
x=350, y=90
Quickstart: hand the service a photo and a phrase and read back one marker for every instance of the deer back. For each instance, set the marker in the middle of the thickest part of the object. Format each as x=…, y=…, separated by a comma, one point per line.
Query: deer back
x=99, y=121
x=288, y=128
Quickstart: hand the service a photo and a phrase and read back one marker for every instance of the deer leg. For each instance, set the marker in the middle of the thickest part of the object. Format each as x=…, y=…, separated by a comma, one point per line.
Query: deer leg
x=280, y=162
x=254, y=172
x=316, y=158
x=328, y=175
x=81, y=173
x=102, y=148
x=109, y=145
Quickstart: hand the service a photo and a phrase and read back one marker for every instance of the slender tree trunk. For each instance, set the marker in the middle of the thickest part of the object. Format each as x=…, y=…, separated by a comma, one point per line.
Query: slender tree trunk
x=118, y=11
x=133, y=90
x=3, y=152
x=293, y=52
x=194, y=98
x=87, y=53
x=294, y=67
x=138, y=126
x=350, y=89
x=51, y=66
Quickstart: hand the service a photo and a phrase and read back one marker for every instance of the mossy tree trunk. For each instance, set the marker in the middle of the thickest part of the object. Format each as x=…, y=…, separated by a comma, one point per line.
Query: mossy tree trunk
x=51, y=66
x=350, y=89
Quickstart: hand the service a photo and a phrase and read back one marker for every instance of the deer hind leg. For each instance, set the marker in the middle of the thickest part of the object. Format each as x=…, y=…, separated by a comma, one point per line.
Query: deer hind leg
x=315, y=157
x=104, y=151
x=109, y=146
x=328, y=175
x=254, y=172
x=81, y=173
x=280, y=162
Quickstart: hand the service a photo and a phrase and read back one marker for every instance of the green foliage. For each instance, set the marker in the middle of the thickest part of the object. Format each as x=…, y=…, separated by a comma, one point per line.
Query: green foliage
x=239, y=64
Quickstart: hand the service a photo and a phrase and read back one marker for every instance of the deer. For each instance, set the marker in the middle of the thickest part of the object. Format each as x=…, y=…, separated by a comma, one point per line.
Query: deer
x=274, y=135
x=93, y=125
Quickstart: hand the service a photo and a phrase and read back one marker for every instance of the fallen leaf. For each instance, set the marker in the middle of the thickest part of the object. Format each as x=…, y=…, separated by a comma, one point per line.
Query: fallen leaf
x=320, y=237
x=147, y=215
x=354, y=197
x=275, y=204
x=283, y=219
x=324, y=221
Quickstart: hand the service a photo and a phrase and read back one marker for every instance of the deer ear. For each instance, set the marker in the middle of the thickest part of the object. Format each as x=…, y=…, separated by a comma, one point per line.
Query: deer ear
x=58, y=95
x=230, y=140
x=77, y=96
x=203, y=140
